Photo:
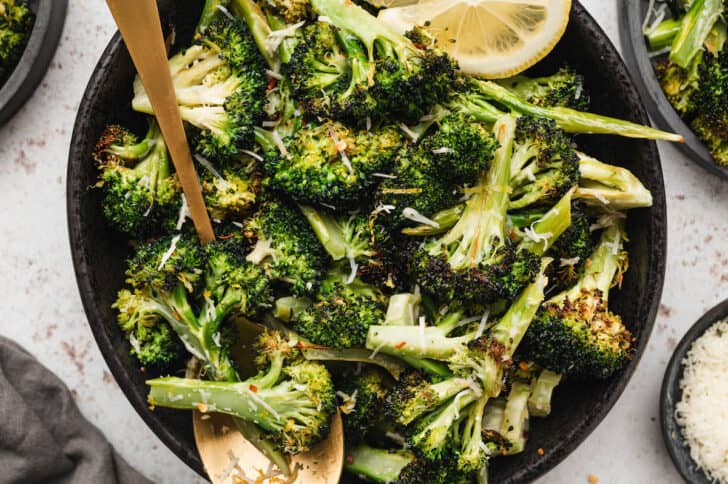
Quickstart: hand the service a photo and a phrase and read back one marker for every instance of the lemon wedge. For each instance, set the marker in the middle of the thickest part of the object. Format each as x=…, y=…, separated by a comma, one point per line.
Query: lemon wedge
x=489, y=38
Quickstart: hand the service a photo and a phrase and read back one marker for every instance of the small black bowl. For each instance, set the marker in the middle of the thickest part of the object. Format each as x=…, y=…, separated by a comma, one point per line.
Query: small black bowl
x=50, y=16
x=671, y=394
x=634, y=49
x=99, y=253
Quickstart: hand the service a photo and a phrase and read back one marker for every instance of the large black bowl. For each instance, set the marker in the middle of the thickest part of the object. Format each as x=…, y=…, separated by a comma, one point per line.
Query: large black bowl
x=634, y=47
x=98, y=252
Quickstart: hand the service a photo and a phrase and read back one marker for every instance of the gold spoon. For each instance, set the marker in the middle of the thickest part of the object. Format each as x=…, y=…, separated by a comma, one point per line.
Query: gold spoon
x=218, y=441
x=221, y=446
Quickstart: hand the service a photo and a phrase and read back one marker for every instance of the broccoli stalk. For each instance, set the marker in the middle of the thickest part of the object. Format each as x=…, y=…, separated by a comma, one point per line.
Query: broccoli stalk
x=695, y=27
x=575, y=333
x=514, y=427
x=564, y=88
x=473, y=452
x=475, y=259
x=220, y=86
x=570, y=120
x=663, y=34
x=539, y=402
x=611, y=186
x=291, y=400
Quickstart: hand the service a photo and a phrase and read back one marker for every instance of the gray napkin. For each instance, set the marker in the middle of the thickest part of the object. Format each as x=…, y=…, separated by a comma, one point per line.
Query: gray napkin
x=43, y=436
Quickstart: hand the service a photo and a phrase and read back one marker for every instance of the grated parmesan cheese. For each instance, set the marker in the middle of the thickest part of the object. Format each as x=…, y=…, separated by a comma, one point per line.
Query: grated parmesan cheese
x=408, y=131
x=184, y=212
x=170, y=251
x=415, y=216
x=702, y=412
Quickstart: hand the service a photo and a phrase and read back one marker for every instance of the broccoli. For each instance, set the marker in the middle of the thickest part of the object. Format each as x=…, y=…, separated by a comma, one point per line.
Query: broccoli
x=348, y=236
x=609, y=186
x=330, y=163
x=291, y=11
x=564, y=88
x=329, y=73
x=152, y=340
x=710, y=120
x=291, y=399
x=679, y=84
x=16, y=24
x=406, y=78
x=140, y=194
x=285, y=247
x=542, y=388
x=514, y=427
x=570, y=252
x=220, y=86
x=475, y=259
x=479, y=99
x=345, y=309
x=695, y=27
x=544, y=165
x=575, y=334
x=469, y=352
x=232, y=191
x=362, y=403
x=386, y=466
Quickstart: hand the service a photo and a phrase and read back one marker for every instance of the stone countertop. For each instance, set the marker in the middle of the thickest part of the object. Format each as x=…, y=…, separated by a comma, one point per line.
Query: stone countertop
x=42, y=310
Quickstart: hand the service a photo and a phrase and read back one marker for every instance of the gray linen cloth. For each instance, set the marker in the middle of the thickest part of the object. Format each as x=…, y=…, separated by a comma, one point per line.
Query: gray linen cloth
x=43, y=436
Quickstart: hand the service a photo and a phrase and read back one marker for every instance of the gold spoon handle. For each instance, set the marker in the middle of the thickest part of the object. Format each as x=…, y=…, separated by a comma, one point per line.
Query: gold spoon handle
x=140, y=27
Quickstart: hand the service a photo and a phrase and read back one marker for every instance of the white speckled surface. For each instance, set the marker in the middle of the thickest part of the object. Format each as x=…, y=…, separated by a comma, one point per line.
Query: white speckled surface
x=41, y=308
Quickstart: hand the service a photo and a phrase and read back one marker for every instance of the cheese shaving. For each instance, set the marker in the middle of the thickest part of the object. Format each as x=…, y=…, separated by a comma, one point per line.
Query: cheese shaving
x=383, y=208
x=444, y=150
x=279, y=143
x=354, y=267
x=481, y=325
x=169, y=252
x=531, y=234
x=369, y=123
x=702, y=412
x=569, y=262
x=415, y=216
x=341, y=148
x=252, y=154
x=135, y=343
x=376, y=350
x=275, y=38
x=348, y=401
x=408, y=131
x=184, y=212
x=208, y=166
x=274, y=74
x=268, y=124
x=385, y=175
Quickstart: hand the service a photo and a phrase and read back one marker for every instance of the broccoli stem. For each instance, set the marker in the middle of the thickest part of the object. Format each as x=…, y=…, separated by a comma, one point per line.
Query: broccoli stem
x=611, y=186
x=539, y=403
x=515, y=417
x=287, y=308
x=550, y=226
x=328, y=231
x=360, y=67
x=355, y=355
x=378, y=465
x=695, y=27
x=259, y=28
x=285, y=50
x=432, y=437
x=663, y=35
x=601, y=269
x=571, y=120
x=471, y=454
x=481, y=229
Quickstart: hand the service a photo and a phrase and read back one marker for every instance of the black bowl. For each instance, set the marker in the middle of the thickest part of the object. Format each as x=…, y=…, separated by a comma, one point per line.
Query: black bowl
x=670, y=394
x=634, y=48
x=98, y=252
x=49, y=18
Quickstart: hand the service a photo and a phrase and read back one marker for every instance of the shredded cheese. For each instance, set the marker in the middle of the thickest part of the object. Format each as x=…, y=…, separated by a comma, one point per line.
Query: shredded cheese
x=208, y=166
x=385, y=175
x=408, y=131
x=184, y=212
x=169, y=252
x=354, y=267
x=275, y=75
x=537, y=238
x=279, y=143
x=348, y=403
x=275, y=38
x=569, y=262
x=341, y=148
x=702, y=412
x=481, y=325
x=376, y=350
x=444, y=150
x=252, y=154
x=415, y=216
x=383, y=208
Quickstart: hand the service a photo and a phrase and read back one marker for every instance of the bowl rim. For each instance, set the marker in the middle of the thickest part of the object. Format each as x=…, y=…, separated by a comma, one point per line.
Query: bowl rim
x=50, y=18
x=653, y=287
x=670, y=394
x=636, y=57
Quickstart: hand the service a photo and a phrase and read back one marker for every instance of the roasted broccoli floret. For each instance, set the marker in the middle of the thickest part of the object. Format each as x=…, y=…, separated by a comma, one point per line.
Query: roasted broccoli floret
x=570, y=252
x=575, y=333
x=695, y=27
x=678, y=84
x=330, y=163
x=141, y=195
x=405, y=78
x=292, y=11
x=362, y=402
x=345, y=309
x=387, y=466
x=285, y=247
x=711, y=105
x=476, y=259
x=564, y=88
x=291, y=399
x=16, y=23
x=220, y=86
x=152, y=341
x=231, y=191
x=544, y=165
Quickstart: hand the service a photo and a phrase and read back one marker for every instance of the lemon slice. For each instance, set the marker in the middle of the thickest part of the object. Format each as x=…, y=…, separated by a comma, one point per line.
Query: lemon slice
x=488, y=38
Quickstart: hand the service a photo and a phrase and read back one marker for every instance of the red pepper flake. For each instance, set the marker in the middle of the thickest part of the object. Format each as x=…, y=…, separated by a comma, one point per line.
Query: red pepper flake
x=400, y=345
x=540, y=451
x=253, y=388
x=176, y=315
x=350, y=459
x=593, y=479
x=271, y=83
